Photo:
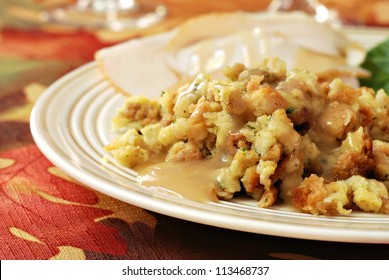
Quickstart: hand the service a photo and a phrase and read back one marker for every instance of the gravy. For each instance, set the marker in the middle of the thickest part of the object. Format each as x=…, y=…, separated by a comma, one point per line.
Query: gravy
x=194, y=180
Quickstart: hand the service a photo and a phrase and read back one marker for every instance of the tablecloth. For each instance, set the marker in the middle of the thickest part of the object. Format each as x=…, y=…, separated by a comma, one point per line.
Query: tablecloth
x=44, y=214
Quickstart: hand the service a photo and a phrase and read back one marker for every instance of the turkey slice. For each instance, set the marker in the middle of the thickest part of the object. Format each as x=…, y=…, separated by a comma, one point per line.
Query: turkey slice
x=137, y=66
x=208, y=43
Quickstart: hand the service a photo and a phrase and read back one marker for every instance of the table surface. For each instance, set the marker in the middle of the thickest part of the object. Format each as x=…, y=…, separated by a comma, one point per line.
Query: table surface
x=86, y=224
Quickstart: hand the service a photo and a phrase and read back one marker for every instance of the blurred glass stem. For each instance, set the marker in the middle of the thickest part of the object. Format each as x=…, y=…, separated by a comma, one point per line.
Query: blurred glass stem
x=312, y=7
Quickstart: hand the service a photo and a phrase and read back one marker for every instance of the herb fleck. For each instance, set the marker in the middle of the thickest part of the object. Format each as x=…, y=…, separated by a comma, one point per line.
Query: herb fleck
x=290, y=110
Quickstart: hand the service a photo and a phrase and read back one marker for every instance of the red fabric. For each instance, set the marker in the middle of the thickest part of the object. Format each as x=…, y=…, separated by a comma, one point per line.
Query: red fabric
x=68, y=219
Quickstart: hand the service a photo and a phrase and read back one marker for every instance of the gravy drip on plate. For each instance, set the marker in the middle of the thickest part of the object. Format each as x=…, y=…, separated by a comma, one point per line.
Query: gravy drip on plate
x=194, y=180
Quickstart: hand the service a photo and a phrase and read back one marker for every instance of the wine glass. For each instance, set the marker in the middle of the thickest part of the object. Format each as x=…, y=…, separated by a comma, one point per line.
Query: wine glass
x=115, y=15
x=313, y=7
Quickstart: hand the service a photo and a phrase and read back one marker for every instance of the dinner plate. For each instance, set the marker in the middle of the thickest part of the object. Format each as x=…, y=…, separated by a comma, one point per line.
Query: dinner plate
x=71, y=124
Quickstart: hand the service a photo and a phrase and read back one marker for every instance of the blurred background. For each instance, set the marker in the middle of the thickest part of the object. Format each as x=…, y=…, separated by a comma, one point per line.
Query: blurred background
x=373, y=12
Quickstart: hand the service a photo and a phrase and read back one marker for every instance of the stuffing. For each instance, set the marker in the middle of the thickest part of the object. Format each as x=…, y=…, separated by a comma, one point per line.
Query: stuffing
x=276, y=135
x=316, y=197
x=137, y=112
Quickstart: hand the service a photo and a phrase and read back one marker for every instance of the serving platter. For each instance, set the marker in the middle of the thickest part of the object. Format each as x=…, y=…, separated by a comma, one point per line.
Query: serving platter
x=71, y=124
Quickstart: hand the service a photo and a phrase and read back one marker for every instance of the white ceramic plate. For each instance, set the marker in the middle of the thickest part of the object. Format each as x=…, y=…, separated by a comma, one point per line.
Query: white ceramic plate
x=71, y=124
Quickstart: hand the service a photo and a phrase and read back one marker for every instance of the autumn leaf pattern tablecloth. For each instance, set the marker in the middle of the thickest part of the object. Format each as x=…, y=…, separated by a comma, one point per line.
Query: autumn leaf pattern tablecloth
x=45, y=214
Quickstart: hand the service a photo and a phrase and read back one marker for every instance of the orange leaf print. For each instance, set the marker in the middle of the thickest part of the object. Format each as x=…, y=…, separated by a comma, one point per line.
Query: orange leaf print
x=42, y=212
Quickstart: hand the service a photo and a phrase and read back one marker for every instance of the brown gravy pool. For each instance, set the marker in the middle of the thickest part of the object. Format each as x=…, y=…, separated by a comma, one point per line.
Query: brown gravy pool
x=194, y=180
